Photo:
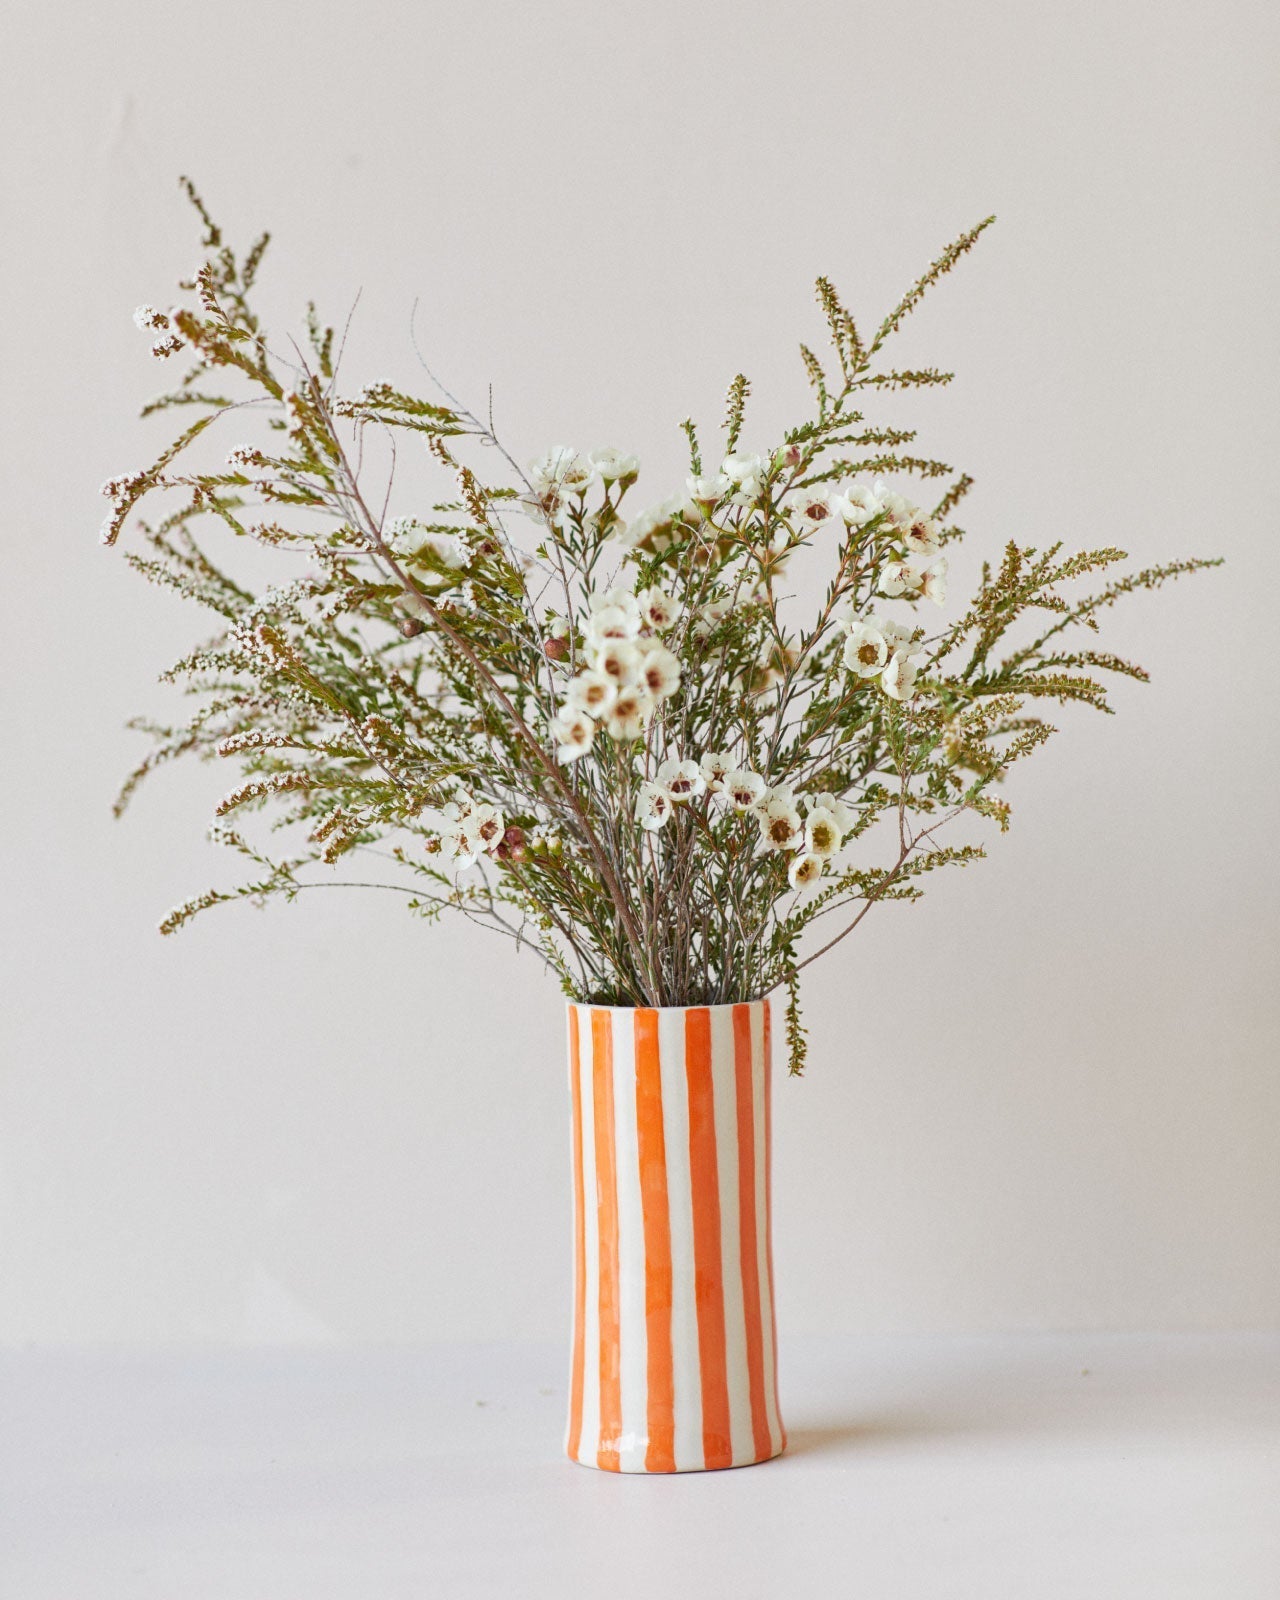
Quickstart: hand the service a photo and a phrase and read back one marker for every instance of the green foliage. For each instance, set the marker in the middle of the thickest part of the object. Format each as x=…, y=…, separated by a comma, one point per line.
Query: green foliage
x=411, y=682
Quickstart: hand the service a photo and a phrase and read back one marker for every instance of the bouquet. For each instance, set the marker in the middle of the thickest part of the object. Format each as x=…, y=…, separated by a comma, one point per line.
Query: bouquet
x=601, y=726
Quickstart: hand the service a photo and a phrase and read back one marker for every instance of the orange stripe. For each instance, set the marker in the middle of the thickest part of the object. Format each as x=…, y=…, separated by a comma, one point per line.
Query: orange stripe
x=607, y=1198
x=768, y=1203
x=579, y=1245
x=660, y=1456
x=717, y=1439
x=742, y=1067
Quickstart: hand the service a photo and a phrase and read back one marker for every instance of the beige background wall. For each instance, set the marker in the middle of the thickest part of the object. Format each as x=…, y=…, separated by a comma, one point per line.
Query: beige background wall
x=1049, y=1096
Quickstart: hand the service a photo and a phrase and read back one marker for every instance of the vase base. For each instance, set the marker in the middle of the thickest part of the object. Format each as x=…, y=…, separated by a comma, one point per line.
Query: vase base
x=635, y=1465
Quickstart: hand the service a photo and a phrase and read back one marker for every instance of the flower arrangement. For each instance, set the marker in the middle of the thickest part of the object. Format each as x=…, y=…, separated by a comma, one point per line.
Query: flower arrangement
x=594, y=726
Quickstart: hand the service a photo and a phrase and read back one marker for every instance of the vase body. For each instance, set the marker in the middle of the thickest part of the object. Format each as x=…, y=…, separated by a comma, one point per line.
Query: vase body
x=674, y=1364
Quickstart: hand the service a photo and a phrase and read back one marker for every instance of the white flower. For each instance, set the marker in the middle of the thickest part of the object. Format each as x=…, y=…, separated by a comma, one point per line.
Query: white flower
x=612, y=464
x=809, y=509
x=781, y=827
x=592, y=692
x=574, y=732
x=805, y=869
x=922, y=537
x=898, y=511
x=486, y=823
x=460, y=843
x=653, y=806
x=629, y=713
x=822, y=833
x=895, y=635
x=746, y=474
x=459, y=808
x=613, y=599
x=715, y=768
x=682, y=780
x=935, y=581
x=845, y=816
x=560, y=469
x=618, y=659
x=149, y=320
x=860, y=505
x=613, y=621
x=743, y=789
x=742, y=468
x=898, y=680
x=659, y=671
x=657, y=608
x=866, y=650
x=652, y=527
x=900, y=577
x=708, y=491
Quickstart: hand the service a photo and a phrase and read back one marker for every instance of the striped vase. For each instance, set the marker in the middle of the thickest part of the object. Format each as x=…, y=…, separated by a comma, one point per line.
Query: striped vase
x=674, y=1343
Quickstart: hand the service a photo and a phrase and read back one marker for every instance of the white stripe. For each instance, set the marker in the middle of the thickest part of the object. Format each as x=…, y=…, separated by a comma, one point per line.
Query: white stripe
x=760, y=1071
x=633, y=1334
x=687, y=1367
x=590, y=1445
x=735, y=1323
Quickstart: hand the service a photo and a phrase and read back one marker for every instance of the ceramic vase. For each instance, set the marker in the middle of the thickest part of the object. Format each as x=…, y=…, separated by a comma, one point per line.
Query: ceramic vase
x=674, y=1357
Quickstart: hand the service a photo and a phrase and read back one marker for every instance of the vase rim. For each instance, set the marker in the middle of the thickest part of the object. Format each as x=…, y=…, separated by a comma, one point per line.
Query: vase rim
x=729, y=1005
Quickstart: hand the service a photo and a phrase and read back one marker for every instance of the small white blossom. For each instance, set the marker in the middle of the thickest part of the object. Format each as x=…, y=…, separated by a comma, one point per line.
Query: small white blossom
x=460, y=844
x=935, y=581
x=652, y=527
x=657, y=608
x=615, y=599
x=574, y=732
x=744, y=790
x=866, y=650
x=618, y=659
x=707, y=491
x=682, y=780
x=715, y=768
x=630, y=713
x=922, y=537
x=781, y=827
x=822, y=833
x=747, y=475
x=899, y=513
x=845, y=816
x=860, y=505
x=560, y=469
x=805, y=869
x=659, y=671
x=487, y=824
x=653, y=806
x=613, y=622
x=895, y=635
x=592, y=692
x=899, y=578
x=810, y=509
x=898, y=680
x=613, y=464
x=149, y=320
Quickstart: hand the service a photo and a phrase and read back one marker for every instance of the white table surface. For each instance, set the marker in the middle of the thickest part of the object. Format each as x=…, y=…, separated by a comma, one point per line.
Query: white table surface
x=994, y=1468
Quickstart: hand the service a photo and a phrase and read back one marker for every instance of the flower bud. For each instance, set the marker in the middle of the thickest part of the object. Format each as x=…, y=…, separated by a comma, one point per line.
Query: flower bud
x=410, y=627
x=555, y=649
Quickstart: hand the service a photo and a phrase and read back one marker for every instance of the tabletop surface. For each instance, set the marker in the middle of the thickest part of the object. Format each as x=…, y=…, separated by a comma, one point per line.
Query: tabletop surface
x=1001, y=1467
